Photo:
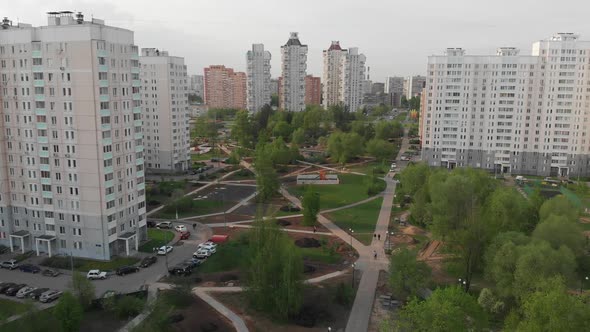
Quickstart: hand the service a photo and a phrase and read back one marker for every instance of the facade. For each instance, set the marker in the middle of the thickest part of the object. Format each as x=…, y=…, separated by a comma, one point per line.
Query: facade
x=523, y=114
x=333, y=75
x=394, y=87
x=294, y=69
x=165, y=111
x=313, y=90
x=413, y=86
x=353, y=68
x=274, y=86
x=71, y=154
x=197, y=85
x=259, y=91
x=224, y=88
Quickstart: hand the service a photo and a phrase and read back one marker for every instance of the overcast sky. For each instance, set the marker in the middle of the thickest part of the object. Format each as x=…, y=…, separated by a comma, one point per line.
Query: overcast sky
x=396, y=36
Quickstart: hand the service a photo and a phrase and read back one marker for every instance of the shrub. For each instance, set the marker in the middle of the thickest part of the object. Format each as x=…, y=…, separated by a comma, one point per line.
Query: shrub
x=344, y=294
x=128, y=306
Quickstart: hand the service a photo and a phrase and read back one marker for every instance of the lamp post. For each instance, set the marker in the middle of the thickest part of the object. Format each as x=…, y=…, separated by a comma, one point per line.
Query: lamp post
x=351, y=232
x=389, y=238
x=462, y=283
x=582, y=283
x=353, y=266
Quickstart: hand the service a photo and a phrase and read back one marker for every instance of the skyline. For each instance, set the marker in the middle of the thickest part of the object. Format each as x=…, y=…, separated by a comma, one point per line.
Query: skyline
x=415, y=30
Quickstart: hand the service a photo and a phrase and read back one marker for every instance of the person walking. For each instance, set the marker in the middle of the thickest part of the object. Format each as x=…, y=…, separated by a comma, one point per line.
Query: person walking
x=194, y=227
x=314, y=229
x=379, y=237
x=374, y=236
x=375, y=254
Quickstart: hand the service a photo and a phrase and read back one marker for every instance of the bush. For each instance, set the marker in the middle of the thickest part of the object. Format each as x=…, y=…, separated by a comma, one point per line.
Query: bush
x=344, y=294
x=178, y=298
x=60, y=262
x=22, y=257
x=128, y=306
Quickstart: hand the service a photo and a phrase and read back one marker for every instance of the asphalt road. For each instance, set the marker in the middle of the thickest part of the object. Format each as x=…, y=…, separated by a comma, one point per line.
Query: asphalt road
x=128, y=283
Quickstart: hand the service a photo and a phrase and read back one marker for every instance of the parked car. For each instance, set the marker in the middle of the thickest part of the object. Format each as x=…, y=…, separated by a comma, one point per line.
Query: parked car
x=214, y=160
x=29, y=268
x=49, y=296
x=212, y=247
x=126, y=270
x=185, y=235
x=151, y=224
x=164, y=250
x=181, y=269
x=180, y=228
x=25, y=291
x=37, y=293
x=146, y=262
x=14, y=289
x=193, y=262
x=164, y=224
x=50, y=273
x=96, y=274
x=201, y=253
x=5, y=286
x=9, y=264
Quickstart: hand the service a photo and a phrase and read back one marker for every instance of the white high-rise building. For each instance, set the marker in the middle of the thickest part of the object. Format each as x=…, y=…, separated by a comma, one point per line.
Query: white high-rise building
x=258, y=81
x=71, y=156
x=333, y=75
x=165, y=111
x=294, y=70
x=353, y=75
x=413, y=86
x=526, y=114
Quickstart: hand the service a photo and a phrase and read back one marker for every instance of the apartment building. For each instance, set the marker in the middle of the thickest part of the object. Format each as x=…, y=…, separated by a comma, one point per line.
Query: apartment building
x=258, y=81
x=294, y=70
x=225, y=88
x=333, y=75
x=413, y=86
x=313, y=90
x=197, y=85
x=394, y=87
x=353, y=75
x=523, y=114
x=165, y=111
x=71, y=156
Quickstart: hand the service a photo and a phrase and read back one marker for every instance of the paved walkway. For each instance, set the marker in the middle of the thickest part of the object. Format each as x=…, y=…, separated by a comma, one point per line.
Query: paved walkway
x=329, y=168
x=291, y=230
x=151, y=300
x=236, y=320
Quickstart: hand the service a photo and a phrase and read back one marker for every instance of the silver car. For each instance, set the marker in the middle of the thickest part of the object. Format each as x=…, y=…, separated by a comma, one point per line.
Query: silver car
x=24, y=292
x=49, y=296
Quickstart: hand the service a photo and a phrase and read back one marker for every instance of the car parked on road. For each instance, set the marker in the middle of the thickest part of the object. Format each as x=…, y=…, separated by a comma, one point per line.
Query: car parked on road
x=185, y=235
x=123, y=270
x=96, y=274
x=146, y=262
x=25, y=291
x=14, y=289
x=29, y=268
x=201, y=253
x=37, y=293
x=164, y=250
x=50, y=273
x=212, y=247
x=181, y=269
x=164, y=224
x=9, y=264
x=5, y=286
x=193, y=262
x=180, y=228
x=49, y=296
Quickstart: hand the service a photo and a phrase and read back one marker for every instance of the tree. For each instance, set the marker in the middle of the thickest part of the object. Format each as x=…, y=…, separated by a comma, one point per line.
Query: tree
x=298, y=136
x=267, y=180
x=282, y=129
x=380, y=149
x=279, y=152
x=414, y=177
x=558, y=231
x=507, y=210
x=490, y=302
x=311, y=206
x=69, y=312
x=242, y=130
x=407, y=275
x=344, y=146
x=274, y=100
x=274, y=271
x=447, y=309
x=550, y=308
x=559, y=205
x=83, y=289
x=363, y=128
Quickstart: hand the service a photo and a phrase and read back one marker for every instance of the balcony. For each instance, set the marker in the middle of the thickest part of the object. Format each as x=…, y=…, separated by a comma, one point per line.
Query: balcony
x=45, y=180
x=36, y=54
x=106, y=126
x=136, y=96
x=102, y=53
x=138, y=136
x=47, y=194
x=138, y=148
x=135, y=70
x=37, y=68
x=44, y=167
x=109, y=197
x=39, y=97
x=139, y=174
x=136, y=83
x=42, y=140
x=141, y=186
x=44, y=154
x=40, y=111
x=109, y=183
x=139, y=161
x=105, y=112
x=138, y=123
x=38, y=83
x=103, y=68
x=41, y=125
x=103, y=83
x=108, y=169
x=137, y=110
x=107, y=155
x=49, y=221
x=107, y=141
x=104, y=98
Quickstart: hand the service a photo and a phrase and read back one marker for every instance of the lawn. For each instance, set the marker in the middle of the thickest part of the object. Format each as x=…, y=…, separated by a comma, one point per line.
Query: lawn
x=321, y=254
x=198, y=207
x=352, y=188
x=84, y=265
x=9, y=308
x=157, y=238
x=361, y=218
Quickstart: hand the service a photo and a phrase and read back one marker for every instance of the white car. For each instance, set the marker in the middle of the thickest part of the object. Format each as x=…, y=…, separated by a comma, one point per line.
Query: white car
x=201, y=253
x=212, y=247
x=164, y=250
x=24, y=292
x=164, y=224
x=180, y=228
x=96, y=274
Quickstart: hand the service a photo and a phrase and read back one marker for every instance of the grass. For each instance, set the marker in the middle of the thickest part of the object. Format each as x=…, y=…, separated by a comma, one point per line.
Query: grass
x=361, y=218
x=198, y=207
x=321, y=254
x=352, y=188
x=84, y=265
x=157, y=238
x=9, y=308
x=229, y=256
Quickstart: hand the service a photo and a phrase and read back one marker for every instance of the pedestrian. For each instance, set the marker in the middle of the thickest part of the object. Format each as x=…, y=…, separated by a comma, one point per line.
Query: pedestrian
x=379, y=237
x=375, y=254
x=314, y=229
x=374, y=235
x=194, y=227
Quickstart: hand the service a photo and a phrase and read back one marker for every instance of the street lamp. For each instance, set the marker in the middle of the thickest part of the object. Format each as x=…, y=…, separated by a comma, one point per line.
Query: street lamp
x=582, y=283
x=462, y=283
x=389, y=238
x=351, y=232
x=353, y=266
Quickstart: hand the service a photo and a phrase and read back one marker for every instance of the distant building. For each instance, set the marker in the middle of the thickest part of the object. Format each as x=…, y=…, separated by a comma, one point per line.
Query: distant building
x=394, y=86
x=413, y=86
x=353, y=69
x=197, y=85
x=258, y=68
x=274, y=86
x=333, y=75
x=378, y=88
x=225, y=88
x=294, y=70
x=166, y=114
x=313, y=90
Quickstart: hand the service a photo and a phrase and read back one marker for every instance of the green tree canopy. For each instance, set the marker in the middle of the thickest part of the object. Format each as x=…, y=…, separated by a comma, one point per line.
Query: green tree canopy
x=380, y=149
x=311, y=206
x=69, y=313
x=388, y=129
x=414, y=177
x=242, y=130
x=83, y=289
x=344, y=146
x=560, y=206
x=507, y=210
x=559, y=230
x=267, y=180
x=407, y=275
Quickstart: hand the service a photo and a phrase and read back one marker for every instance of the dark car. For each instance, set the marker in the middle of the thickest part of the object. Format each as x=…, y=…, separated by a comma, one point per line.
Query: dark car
x=185, y=235
x=5, y=286
x=37, y=292
x=290, y=208
x=151, y=224
x=148, y=261
x=50, y=273
x=126, y=270
x=181, y=269
x=193, y=262
x=11, y=291
x=29, y=268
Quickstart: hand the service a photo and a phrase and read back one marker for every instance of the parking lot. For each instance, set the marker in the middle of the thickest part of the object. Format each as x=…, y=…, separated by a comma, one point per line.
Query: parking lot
x=127, y=283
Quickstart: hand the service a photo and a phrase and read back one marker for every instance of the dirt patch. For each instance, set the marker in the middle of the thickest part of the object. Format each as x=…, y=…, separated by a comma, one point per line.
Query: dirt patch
x=199, y=316
x=413, y=230
x=308, y=242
